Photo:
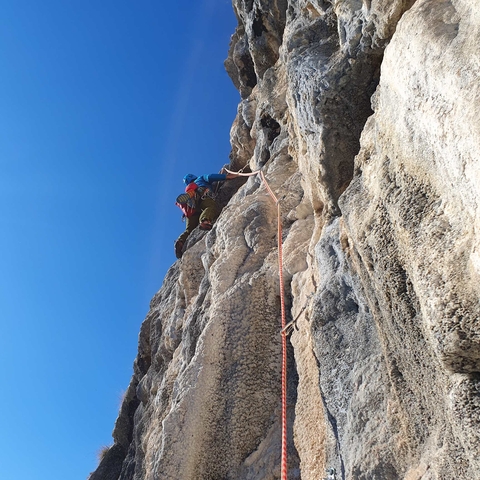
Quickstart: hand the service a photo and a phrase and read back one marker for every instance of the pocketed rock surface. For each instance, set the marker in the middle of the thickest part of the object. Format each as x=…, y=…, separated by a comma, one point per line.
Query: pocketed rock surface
x=364, y=117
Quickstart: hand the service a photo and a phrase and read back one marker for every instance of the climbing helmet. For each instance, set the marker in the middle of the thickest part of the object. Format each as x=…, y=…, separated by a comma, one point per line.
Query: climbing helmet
x=189, y=178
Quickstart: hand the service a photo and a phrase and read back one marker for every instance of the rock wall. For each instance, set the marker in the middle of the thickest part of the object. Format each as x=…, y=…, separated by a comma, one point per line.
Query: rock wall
x=363, y=114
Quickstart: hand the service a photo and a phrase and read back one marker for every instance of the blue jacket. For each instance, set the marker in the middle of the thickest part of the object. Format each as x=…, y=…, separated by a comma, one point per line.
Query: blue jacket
x=207, y=180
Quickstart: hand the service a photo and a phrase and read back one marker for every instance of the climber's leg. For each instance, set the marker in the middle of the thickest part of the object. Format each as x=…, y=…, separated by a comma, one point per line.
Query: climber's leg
x=209, y=213
x=191, y=223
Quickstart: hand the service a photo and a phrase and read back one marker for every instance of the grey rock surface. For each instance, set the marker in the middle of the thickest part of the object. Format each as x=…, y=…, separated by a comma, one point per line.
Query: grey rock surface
x=363, y=115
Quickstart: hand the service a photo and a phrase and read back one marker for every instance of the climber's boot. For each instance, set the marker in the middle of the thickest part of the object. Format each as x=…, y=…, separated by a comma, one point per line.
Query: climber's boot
x=206, y=225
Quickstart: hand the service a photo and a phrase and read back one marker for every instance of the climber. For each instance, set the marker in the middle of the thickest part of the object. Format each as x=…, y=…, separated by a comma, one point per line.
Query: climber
x=198, y=204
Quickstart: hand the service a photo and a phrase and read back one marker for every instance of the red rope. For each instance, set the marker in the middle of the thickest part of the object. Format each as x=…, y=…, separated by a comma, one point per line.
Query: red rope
x=284, y=333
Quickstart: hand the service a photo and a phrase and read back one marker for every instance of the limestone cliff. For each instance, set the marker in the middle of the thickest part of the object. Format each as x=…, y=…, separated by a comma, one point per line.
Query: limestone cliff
x=364, y=116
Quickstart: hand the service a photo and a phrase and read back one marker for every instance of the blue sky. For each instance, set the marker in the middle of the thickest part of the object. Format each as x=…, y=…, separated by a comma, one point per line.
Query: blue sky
x=104, y=106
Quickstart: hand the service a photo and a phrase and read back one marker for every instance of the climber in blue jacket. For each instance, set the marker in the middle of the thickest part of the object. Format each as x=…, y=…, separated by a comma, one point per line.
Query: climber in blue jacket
x=205, y=211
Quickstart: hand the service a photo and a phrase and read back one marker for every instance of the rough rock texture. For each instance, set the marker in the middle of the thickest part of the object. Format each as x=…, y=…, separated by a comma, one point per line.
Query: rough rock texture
x=363, y=114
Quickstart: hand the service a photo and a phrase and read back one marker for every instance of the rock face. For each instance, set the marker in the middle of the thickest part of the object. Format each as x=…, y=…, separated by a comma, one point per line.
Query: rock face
x=364, y=116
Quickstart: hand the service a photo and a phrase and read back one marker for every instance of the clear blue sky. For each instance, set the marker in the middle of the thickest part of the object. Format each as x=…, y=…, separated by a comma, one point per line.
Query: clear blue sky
x=104, y=106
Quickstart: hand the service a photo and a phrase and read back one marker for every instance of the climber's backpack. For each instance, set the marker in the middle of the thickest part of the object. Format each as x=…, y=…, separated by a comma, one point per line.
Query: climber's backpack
x=187, y=202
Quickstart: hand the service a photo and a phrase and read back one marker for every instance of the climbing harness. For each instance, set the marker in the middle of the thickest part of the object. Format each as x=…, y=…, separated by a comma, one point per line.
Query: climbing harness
x=284, y=326
x=205, y=192
x=189, y=201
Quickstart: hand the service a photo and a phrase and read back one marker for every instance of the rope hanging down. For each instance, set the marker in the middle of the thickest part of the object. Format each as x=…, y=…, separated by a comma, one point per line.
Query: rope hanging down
x=284, y=333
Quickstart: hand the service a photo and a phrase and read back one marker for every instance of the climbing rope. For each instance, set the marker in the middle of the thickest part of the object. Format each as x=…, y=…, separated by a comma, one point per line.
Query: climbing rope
x=282, y=307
